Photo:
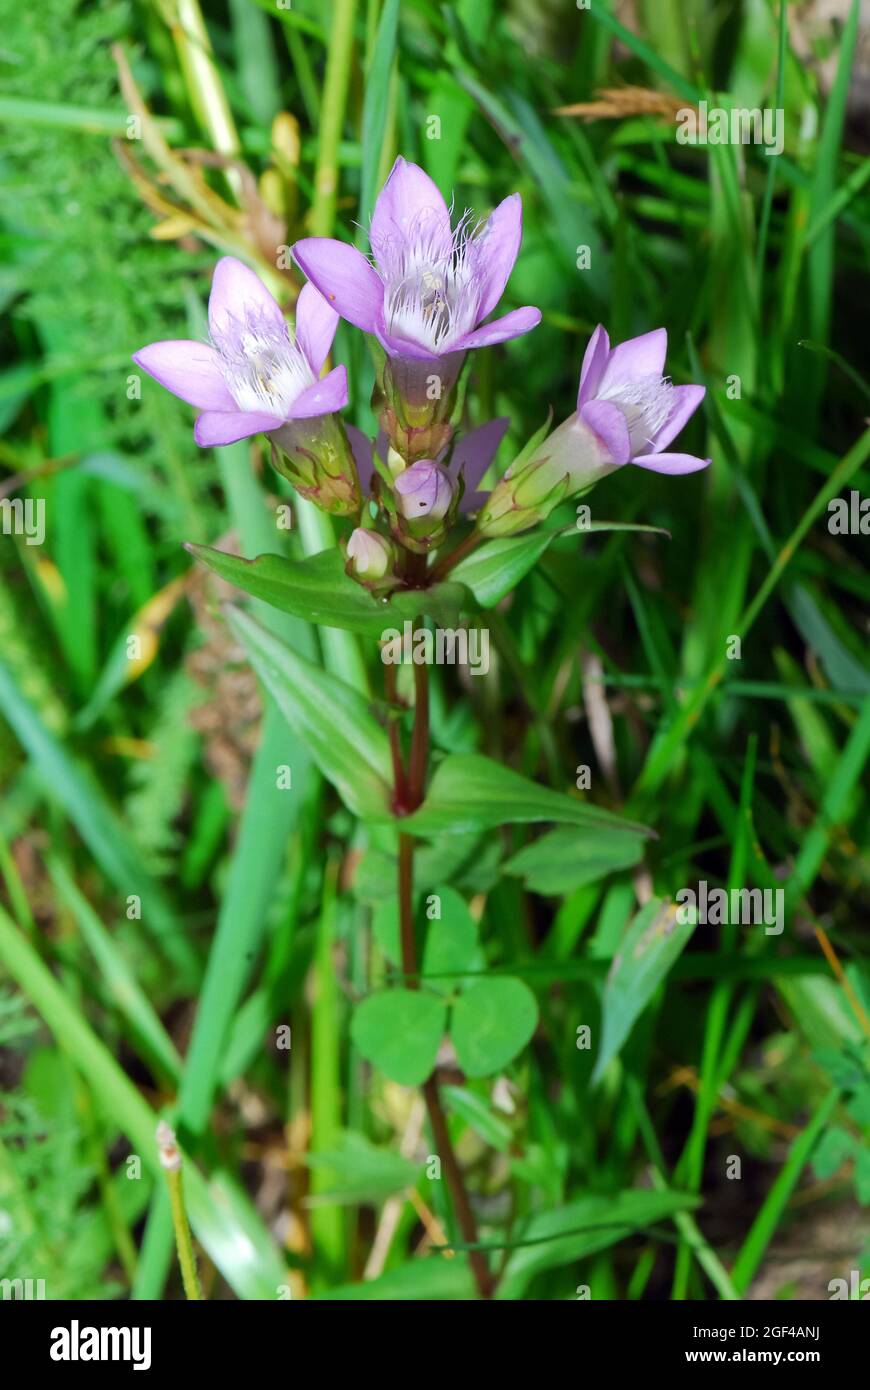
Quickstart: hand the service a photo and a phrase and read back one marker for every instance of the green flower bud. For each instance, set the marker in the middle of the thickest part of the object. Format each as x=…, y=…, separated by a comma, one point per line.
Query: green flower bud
x=316, y=458
x=568, y=462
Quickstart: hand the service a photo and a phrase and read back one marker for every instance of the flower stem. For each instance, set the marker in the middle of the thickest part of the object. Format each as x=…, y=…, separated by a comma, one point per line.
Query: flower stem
x=447, y=562
x=416, y=785
x=170, y=1161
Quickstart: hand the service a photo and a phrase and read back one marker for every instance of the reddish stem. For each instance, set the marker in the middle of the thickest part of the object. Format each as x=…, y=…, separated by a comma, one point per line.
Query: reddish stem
x=416, y=785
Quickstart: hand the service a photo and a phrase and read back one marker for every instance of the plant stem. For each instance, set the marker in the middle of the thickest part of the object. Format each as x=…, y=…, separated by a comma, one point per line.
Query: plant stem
x=447, y=562
x=415, y=788
x=170, y=1162
x=186, y=1257
x=482, y=1275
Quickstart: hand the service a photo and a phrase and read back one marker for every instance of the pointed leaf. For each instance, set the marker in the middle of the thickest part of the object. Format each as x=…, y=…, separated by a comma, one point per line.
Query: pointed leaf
x=567, y=858
x=497, y=567
x=331, y=719
x=566, y=1234
x=470, y=792
x=430, y=1279
x=653, y=942
x=318, y=590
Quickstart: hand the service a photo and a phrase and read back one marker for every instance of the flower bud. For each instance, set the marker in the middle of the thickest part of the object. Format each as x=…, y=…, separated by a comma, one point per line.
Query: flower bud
x=425, y=490
x=568, y=462
x=414, y=399
x=371, y=556
x=315, y=456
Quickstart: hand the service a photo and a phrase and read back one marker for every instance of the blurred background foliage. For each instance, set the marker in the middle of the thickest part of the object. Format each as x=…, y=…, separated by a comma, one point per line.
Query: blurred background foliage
x=165, y=911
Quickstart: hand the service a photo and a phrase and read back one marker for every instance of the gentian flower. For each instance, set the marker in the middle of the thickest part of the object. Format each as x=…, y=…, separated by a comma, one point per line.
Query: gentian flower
x=431, y=286
x=627, y=412
x=256, y=377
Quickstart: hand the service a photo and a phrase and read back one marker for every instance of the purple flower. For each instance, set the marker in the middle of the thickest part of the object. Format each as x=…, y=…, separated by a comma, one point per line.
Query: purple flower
x=424, y=490
x=631, y=407
x=431, y=285
x=627, y=412
x=254, y=376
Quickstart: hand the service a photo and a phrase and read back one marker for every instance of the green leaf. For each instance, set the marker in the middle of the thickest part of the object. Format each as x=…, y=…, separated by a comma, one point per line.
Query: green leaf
x=376, y=105
x=361, y=1171
x=862, y=1176
x=432, y=1279
x=565, y=1234
x=222, y=1216
x=332, y=720
x=318, y=590
x=476, y=1112
x=399, y=1030
x=70, y=784
x=831, y=1152
x=492, y=1021
x=451, y=941
x=497, y=567
x=565, y=859
x=470, y=792
x=652, y=943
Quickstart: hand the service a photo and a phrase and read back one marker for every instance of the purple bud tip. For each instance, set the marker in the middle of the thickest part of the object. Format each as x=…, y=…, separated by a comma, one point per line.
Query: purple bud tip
x=424, y=490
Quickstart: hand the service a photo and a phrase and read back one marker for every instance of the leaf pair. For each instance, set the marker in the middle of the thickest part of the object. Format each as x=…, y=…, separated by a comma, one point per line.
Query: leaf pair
x=491, y=1018
x=469, y=792
x=318, y=589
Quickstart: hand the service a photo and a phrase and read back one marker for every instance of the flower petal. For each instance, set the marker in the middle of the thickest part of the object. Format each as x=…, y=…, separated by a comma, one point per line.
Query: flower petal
x=511, y=325
x=397, y=345
x=643, y=356
x=316, y=322
x=345, y=279
x=594, y=361
x=226, y=426
x=671, y=463
x=496, y=250
x=236, y=293
x=188, y=369
x=408, y=205
x=476, y=450
x=361, y=448
x=472, y=502
x=686, y=400
x=323, y=397
x=607, y=421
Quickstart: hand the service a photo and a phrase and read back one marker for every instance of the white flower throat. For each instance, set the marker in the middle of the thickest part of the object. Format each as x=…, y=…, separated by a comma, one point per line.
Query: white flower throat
x=432, y=284
x=265, y=370
x=646, y=403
